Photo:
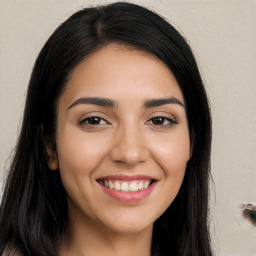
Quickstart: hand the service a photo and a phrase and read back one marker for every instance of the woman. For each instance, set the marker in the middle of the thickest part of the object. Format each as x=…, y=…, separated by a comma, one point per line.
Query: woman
x=113, y=156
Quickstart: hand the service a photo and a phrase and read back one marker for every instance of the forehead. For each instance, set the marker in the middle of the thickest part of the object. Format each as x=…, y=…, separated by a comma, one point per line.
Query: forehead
x=115, y=71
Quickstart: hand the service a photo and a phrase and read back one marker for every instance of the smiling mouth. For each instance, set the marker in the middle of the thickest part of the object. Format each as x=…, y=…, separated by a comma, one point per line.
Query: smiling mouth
x=126, y=186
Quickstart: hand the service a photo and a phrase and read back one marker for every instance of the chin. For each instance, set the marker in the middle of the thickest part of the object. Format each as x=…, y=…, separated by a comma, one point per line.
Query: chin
x=129, y=225
x=130, y=229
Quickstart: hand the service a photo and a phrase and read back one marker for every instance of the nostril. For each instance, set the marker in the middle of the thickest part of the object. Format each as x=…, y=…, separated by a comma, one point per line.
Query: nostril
x=129, y=155
x=130, y=147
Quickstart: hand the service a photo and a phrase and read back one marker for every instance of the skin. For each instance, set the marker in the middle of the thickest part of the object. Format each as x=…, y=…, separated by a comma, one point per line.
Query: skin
x=126, y=140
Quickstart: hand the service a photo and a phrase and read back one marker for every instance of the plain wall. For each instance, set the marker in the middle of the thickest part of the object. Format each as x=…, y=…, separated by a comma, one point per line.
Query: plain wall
x=222, y=35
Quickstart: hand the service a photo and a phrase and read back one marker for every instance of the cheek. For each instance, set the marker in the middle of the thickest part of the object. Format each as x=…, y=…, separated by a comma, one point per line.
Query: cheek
x=79, y=154
x=173, y=152
x=172, y=155
x=80, y=151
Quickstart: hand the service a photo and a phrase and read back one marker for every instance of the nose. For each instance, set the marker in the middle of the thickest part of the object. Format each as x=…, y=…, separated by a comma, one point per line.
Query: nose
x=130, y=147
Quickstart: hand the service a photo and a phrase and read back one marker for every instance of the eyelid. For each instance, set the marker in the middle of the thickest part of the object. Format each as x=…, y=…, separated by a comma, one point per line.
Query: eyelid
x=85, y=119
x=89, y=115
x=164, y=114
x=171, y=120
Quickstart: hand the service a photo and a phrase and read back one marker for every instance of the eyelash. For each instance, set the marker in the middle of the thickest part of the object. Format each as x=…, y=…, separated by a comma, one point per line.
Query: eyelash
x=85, y=121
x=150, y=121
x=164, y=119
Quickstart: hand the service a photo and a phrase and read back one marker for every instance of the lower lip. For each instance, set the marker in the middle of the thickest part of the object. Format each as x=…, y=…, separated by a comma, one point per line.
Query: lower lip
x=129, y=197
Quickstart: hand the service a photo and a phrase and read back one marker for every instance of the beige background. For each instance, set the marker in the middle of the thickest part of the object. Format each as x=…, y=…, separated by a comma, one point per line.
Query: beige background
x=223, y=37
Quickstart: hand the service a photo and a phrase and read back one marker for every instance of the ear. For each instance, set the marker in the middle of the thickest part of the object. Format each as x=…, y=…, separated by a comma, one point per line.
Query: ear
x=52, y=158
x=50, y=150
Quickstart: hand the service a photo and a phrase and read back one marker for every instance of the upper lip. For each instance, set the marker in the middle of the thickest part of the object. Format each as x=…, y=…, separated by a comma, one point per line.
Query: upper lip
x=126, y=177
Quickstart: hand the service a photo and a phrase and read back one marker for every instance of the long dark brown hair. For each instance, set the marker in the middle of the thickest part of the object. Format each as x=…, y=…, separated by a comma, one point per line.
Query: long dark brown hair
x=33, y=209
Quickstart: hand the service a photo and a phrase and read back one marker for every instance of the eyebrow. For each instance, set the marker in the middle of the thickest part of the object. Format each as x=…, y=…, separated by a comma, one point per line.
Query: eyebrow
x=159, y=102
x=106, y=102
x=103, y=102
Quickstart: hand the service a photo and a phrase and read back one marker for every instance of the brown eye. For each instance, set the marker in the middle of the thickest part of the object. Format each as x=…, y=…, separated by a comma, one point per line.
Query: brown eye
x=161, y=121
x=158, y=120
x=94, y=120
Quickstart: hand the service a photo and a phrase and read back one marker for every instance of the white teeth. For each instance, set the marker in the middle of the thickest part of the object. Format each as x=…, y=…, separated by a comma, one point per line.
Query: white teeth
x=110, y=184
x=140, y=186
x=117, y=185
x=133, y=186
x=146, y=184
x=125, y=186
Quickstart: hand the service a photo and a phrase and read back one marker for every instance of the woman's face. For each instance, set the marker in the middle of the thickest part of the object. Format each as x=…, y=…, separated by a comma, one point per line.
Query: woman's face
x=122, y=140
